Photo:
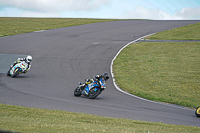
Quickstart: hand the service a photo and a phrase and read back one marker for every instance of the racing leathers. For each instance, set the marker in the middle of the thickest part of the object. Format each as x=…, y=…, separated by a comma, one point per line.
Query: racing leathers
x=20, y=60
x=105, y=77
x=28, y=60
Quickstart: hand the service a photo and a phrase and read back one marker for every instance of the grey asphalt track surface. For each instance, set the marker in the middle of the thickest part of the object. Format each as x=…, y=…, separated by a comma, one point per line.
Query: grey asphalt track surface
x=63, y=57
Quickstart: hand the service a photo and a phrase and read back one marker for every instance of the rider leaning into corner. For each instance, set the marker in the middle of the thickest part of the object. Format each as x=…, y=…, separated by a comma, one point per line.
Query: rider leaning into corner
x=27, y=59
x=105, y=77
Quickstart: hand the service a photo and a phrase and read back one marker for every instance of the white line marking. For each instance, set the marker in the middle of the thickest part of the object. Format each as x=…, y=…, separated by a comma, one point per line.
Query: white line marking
x=119, y=89
x=39, y=31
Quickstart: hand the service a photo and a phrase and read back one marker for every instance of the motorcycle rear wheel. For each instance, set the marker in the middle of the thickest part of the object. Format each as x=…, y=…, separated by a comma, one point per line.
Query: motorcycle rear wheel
x=93, y=94
x=77, y=92
x=197, y=112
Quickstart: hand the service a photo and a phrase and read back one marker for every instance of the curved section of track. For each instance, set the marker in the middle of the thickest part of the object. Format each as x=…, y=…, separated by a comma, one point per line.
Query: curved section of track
x=63, y=57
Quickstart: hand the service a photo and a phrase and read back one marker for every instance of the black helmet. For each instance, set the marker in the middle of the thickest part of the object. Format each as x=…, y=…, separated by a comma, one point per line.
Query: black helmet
x=105, y=76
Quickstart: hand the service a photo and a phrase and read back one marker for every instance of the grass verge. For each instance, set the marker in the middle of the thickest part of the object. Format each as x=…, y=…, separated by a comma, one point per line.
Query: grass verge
x=12, y=26
x=161, y=71
x=189, y=32
x=23, y=119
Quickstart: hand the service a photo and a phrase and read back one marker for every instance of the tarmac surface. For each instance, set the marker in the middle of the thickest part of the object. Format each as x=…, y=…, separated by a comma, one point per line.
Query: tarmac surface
x=63, y=57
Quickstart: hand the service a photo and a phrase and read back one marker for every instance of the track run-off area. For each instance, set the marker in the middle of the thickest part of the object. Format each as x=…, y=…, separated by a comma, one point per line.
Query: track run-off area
x=63, y=57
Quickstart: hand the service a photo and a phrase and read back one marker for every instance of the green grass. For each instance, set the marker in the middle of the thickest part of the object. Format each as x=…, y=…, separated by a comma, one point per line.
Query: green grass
x=22, y=119
x=161, y=71
x=189, y=32
x=29, y=120
x=12, y=26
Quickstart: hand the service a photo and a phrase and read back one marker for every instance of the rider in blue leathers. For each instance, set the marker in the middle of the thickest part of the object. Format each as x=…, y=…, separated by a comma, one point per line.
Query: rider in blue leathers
x=105, y=77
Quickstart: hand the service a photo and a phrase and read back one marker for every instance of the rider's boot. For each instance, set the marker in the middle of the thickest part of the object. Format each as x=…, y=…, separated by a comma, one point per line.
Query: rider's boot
x=84, y=92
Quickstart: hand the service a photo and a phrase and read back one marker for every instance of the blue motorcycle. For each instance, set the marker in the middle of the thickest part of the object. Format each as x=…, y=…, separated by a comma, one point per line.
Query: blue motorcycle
x=93, y=88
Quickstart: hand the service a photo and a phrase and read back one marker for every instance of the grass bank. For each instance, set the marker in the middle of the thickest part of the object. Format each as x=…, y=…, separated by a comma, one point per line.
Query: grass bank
x=22, y=119
x=29, y=120
x=12, y=26
x=188, y=32
x=163, y=71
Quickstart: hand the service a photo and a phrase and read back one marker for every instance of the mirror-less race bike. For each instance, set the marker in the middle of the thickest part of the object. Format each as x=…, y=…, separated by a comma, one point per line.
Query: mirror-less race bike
x=17, y=69
x=91, y=90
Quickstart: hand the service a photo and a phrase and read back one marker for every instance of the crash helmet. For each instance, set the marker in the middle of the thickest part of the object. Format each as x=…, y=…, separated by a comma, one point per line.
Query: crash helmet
x=29, y=59
x=105, y=76
x=97, y=77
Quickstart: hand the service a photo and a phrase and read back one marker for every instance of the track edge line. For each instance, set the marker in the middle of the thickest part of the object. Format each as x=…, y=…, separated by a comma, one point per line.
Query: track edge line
x=119, y=89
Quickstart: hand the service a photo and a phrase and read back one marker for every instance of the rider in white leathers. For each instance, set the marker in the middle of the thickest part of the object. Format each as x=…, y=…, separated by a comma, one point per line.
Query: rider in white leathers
x=28, y=60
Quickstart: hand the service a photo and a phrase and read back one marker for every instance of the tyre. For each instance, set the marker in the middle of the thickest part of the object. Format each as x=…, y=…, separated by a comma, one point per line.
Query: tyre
x=197, y=112
x=94, y=92
x=8, y=73
x=77, y=92
x=17, y=71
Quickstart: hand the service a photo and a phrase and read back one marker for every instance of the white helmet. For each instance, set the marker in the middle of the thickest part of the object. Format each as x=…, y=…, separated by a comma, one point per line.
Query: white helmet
x=29, y=58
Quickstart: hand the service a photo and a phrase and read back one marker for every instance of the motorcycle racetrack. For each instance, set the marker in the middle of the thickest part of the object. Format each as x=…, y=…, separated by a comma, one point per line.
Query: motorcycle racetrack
x=63, y=57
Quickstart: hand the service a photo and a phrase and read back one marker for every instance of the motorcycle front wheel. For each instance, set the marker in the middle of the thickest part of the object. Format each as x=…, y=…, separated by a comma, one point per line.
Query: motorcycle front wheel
x=17, y=71
x=94, y=92
x=8, y=73
x=77, y=92
x=197, y=112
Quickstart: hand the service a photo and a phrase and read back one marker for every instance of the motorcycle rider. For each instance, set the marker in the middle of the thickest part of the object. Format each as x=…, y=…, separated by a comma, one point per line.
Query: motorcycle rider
x=27, y=59
x=105, y=77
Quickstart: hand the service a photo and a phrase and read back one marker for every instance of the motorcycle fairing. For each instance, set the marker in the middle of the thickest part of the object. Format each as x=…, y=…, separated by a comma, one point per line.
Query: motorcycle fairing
x=90, y=86
x=22, y=65
x=96, y=85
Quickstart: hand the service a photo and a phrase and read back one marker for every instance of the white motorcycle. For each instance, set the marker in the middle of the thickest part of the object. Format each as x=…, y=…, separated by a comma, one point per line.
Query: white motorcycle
x=18, y=69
